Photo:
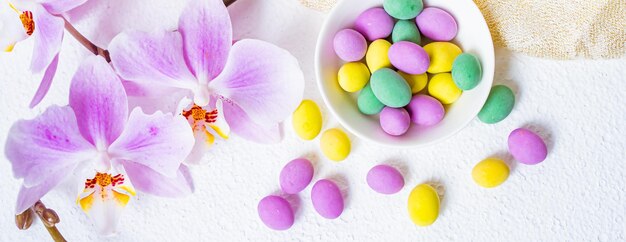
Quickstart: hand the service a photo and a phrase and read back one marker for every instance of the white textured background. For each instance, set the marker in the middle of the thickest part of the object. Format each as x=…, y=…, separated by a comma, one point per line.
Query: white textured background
x=577, y=194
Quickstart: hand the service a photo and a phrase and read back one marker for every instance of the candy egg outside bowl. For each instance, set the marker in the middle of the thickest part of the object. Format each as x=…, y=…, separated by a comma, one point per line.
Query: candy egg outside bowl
x=473, y=37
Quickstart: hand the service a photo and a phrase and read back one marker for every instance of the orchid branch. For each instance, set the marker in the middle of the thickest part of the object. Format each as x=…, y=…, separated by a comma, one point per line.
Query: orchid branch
x=85, y=42
x=96, y=50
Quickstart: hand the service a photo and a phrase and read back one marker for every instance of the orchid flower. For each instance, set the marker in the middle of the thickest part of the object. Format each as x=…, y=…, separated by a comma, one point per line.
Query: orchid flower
x=40, y=20
x=96, y=138
x=248, y=87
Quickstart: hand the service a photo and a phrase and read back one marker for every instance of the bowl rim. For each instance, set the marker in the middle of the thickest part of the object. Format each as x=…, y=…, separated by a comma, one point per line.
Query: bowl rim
x=347, y=126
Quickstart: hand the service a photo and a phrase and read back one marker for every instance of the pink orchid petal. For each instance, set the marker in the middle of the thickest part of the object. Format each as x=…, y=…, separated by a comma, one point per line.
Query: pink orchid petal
x=99, y=101
x=28, y=196
x=48, y=36
x=159, y=141
x=262, y=79
x=60, y=6
x=46, y=82
x=246, y=128
x=151, y=59
x=152, y=182
x=43, y=146
x=207, y=35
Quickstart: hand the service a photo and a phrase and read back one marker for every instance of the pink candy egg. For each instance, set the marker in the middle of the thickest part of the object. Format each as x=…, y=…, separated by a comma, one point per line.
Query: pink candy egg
x=409, y=57
x=385, y=179
x=374, y=24
x=275, y=212
x=436, y=24
x=295, y=176
x=349, y=45
x=425, y=110
x=327, y=199
x=527, y=147
x=395, y=121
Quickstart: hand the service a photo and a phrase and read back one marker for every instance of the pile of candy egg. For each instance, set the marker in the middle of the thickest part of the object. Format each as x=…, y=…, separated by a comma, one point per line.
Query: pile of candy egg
x=395, y=76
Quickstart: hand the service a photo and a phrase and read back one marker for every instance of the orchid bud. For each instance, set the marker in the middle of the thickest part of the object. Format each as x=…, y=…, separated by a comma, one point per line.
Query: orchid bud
x=24, y=219
x=50, y=217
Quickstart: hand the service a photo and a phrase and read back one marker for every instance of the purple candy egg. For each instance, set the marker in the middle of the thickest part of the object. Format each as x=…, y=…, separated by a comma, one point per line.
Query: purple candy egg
x=527, y=147
x=349, y=45
x=327, y=199
x=275, y=212
x=296, y=175
x=425, y=110
x=436, y=24
x=385, y=179
x=374, y=24
x=395, y=121
x=409, y=57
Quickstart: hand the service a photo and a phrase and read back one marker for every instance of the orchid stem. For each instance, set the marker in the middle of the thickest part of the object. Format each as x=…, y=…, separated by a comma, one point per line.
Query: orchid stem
x=85, y=42
x=229, y=2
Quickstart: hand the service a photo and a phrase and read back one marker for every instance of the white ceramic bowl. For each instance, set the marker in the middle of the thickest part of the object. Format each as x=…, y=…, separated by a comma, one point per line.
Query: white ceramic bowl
x=473, y=37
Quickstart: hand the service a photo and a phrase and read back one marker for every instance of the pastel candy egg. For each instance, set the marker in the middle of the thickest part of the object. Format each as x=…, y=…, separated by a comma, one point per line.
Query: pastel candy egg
x=335, y=144
x=490, y=172
x=443, y=88
x=353, y=76
x=403, y=9
x=374, y=24
x=307, y=120
x=425, y=110
x=409, y=57
x=395, y=121
x=405, y=30
x=378, y=55
x=327, y=199
x=437, y=24
x=350, y=45
x=275, y=212
x=498, y=106
x=416, y=82
x=385, y=179
x=466, y=71
x=368, y=103
x=423, y=205
x=390, y=88
x=527, y=147
x=295, y=176
x=441, y=55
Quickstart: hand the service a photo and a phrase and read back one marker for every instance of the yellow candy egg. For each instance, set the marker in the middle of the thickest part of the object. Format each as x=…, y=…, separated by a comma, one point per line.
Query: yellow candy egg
x=335, y=144
x=442, y=55
x=353, y=76
x=442, y=87
x=490, y=172
x=416, y=82
x=376, y=56
x=423, y=205
x=307, y=120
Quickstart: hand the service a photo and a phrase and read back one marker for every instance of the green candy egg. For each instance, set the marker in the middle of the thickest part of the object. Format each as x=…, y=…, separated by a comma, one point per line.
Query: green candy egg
x=406, y=30
x=466, y=71
x=498, y=105
x=390, y=88
x=403, y=9
x=368, y=103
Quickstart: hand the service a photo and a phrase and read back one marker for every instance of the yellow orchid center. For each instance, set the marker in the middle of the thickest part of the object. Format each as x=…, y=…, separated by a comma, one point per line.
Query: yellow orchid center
x=104, y=179
x=27, y=20
x=198, y=114
x=201, y=121
x=106, y=187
